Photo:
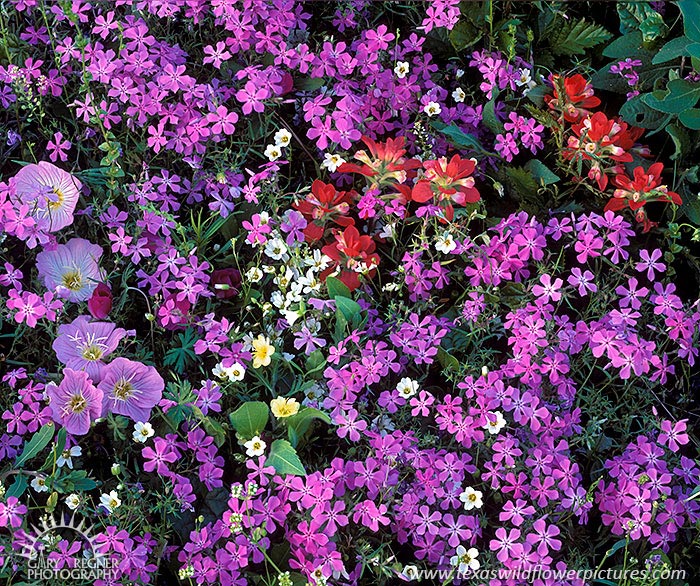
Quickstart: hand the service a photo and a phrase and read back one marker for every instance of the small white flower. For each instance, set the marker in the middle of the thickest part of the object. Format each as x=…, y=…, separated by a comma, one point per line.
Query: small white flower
x=39, y=484
x=255, y=447
x=410, y=573
x=254, y=274
x=459, y=73
x=388, y=231
x=276, y=249
x=272, y=152
x=458, y=95
x=432, y=109
x=72, y=501
x=283, y=137
x=407, y=387
x=465, y=559
x=445, y=243
x=496, y=422
x=471, y=498
x=235, y=372
x=524, y=79
x=332, y=162
x=116, y=468
x=401, y=70
x=110, y=501
x=390, y=287
x=65, y=458
x=142, y=431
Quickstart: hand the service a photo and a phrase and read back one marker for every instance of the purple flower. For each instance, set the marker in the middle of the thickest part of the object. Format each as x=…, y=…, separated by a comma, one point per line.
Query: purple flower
x=71, y=269
x=82, y=344
x=50, y=192
x=75, y=403
x=130, y=388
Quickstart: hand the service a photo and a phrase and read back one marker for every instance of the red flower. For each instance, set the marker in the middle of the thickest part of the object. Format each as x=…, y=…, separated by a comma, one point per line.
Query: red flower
x=448, y=182
x=100, y=304
x=354, y=254
x=573, y=96
x=600, y=139
x=322, y=204
x=386, y=165
x=644, y=187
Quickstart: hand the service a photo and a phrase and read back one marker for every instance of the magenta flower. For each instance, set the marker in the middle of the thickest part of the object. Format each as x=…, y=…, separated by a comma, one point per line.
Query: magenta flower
x=82, y=345
x=58, y=147
x=71, y=269
x=130, y=388
x=50, y=192
x=11, y=512
x=75, y=403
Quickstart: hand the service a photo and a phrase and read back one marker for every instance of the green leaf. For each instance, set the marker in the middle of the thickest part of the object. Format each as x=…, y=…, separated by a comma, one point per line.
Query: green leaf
x=250, y=418
x=347, y=307
x=678, y=47
x=691, y=204
x=690, y=118
x=298, y=425
x=681, y=96
x=612, y=82
x=18, y=487
x=641, y=16
x=283, y=458
x=637, y=113
x=489, y=118
x=464, y=35
x=447, y=361
x=691, y=18
x=336, y=287
x=573, y=38
x=309, y=84
x=458, y=137
x=541, y=173
x=315, y=362
x=626, y=45
x=680, y=138
x=38, y=442
x=536, y=94
x=522, y=181
x=694, y=50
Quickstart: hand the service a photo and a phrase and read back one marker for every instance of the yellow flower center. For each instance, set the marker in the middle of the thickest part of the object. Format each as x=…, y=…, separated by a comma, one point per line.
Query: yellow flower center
x=123, y=389
x=60, y=198
x=472, y=497
x=73, y=280
x=92, y=353
x=77, y=404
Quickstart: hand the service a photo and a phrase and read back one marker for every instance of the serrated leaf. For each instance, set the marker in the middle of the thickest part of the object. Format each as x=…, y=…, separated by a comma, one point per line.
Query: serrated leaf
x=38, y=442
x=522, y=181
x=681, y=95
x=575, y=37
x=250, y=418
x=284, y=459
x=541, y=172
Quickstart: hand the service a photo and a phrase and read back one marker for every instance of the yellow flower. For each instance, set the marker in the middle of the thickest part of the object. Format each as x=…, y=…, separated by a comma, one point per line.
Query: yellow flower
x=282, y=407
x=262, y=351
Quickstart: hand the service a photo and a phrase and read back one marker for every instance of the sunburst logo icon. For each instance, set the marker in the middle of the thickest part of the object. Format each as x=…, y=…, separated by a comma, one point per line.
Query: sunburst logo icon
x=39, y=541
x=51, y=530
